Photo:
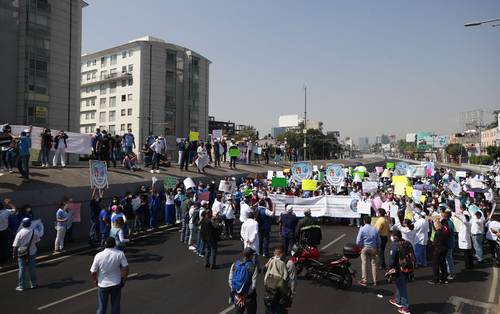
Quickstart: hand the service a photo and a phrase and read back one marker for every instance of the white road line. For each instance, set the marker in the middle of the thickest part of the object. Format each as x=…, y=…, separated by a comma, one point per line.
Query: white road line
x=74, y=296
x=333, y=242
x=227, y=310
x=494, y=283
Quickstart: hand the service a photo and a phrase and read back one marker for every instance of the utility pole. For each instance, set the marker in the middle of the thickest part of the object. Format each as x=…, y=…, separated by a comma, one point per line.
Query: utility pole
x=305, y=120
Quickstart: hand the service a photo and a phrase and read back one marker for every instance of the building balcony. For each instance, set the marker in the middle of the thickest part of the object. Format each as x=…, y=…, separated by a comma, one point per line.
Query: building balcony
x=107, y=79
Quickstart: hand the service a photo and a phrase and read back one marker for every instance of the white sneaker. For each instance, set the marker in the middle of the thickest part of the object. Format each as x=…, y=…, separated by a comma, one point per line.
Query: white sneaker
x=192, y=248
x=157, y=171
x=152, y=171
x=19, y=289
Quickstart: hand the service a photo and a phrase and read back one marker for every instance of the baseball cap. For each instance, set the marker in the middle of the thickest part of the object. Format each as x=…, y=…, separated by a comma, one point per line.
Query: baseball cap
x=204, y=202
x=26, y=222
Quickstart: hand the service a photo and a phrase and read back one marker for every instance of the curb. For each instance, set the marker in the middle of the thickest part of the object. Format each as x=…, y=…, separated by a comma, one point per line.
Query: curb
x=83, y=248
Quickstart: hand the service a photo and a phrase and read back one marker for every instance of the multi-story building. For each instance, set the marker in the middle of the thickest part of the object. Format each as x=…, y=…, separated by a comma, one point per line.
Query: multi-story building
x=40, y=48
x=147, y=85
x=227, y=127
x=488, y=138
x=364, y=143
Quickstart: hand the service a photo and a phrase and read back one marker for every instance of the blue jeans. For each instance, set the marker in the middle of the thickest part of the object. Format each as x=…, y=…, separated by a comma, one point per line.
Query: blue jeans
x=264, y=236
x=170, y=214
x=421, y=255
x=178, y=213
x=449, y=261
x=103, y=294
x=200, y=246
x=23, y=165
x=211, y=253
x=24, y=263
x=153, y=212
x=477, y=243
x=44, y=155
x=156, y=161
x=194, y=233
x=401, y=294
x=184, y=232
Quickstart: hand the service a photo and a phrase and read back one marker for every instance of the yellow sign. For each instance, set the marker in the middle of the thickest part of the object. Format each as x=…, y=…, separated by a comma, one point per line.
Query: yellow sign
x=408, y=214
x=40, y=112
x=309, y=185
x=194, y=136
x=399, y=189
x=409, y=191
x=399, y=180
x=423, y=198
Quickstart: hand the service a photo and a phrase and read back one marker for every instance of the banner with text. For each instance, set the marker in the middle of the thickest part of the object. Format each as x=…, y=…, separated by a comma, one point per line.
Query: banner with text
x=327, y=205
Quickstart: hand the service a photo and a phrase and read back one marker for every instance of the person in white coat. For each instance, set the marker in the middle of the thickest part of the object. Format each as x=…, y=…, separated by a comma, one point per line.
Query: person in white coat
x=465, y=238
x=250, y=233
x=421, y=239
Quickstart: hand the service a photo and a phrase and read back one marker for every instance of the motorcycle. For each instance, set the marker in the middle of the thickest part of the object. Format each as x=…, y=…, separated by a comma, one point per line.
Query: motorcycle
x=335, y=268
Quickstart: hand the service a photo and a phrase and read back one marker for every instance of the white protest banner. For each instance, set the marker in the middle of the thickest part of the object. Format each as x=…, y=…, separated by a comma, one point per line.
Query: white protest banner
x=461, y=174
x=225, y=186
x=326, y=205
x=189, y=183
x=476, y=184
x=202, y=161
x=373, y=176
x=416, y=195
x=270, y=174
x=369, y=187
x=364, y=208
x=217, y=134
x=280, y=174
x=394, y=211
x=98, y=174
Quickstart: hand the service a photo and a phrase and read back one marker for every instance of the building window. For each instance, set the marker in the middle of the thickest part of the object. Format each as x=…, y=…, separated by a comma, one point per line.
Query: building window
x=94, y=75
x=87, y=115
x=129, y=97
x=130, y=53
x=122, y=127
x=124, y=83
x=112, y=87
x=102, y=103
x=124, y=54
x=88, y=63
x=92, y=116
x=112, y=102
x=94, y=62
x=102, y=117
x=171, y=59
x=88, y=76
x=103, y=62
x=92, y=128
x=124, y=69
x=112, y=60
x=87, y=89
x=112, y=116
x=130, y=67
x=124, y=97
x=92, y=102
x=123, y=112
x=130, y=82
x=83, y=102
x=104, y=74
x=86, y=129
x=112, y=72
x=129, y=111
x=129, y=126
x=102, y=88
x=112, y=129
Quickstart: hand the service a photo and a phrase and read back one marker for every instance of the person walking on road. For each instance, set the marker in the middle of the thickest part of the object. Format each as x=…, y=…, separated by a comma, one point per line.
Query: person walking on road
x=384, y=229
x=421, y=239
x=308, y=230
x=398, y=272
x=61, y=224
x=440, y=243
x=288, y=223
x=265, y=219
x=369, y=241
x=109, y=271
x=24, y=248
x=243, y=283
x=279, y=283
x=210, y=234
x=477, y=231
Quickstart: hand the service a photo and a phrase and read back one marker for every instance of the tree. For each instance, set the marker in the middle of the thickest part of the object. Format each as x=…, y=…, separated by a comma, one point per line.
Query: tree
x=455, y=150
x=247, y=132
x=493, y=152
x=405, y=148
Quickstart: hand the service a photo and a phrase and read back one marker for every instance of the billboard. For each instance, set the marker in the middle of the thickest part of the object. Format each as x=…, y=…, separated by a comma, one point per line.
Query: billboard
x=424, y=140
x=410, y=137
x=288, y=121
x=440, y=141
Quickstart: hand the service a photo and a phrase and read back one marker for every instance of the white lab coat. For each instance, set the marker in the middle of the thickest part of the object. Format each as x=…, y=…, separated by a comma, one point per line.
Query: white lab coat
x=464, y=234
x=250, y=234
x=421, y=231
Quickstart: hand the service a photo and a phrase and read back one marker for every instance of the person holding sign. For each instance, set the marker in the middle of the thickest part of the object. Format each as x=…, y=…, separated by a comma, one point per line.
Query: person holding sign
x=233, y=154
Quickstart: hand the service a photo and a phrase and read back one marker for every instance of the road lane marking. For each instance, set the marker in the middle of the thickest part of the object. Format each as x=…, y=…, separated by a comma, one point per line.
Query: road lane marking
x=334, y=241
x=494, y=283
x=227, y=310
x=74, y=296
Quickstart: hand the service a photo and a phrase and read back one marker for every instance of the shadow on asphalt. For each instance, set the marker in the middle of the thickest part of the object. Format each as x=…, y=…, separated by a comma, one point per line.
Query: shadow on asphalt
x=444, y=308
x=144, y=258
x=65, y=282
x=151, y=276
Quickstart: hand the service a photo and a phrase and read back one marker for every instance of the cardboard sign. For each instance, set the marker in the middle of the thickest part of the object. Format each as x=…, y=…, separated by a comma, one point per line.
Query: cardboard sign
x=189, y=183
x=369, y=187
x=309, y=185
x=225, y=186
x=170, y=182
x=278, y=182
x=461, y=174
x=204, y=196
x=217, y=134
x=416, y=195
x=280, y=174
x=390, y=165
x=74, y=208
x=270, y=174
x=399, y=189
x=409, y=191
x=364, y=208
x=194, y=136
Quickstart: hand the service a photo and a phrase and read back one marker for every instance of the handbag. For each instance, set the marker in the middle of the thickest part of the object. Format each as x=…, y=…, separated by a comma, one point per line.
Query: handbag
x=23, y=251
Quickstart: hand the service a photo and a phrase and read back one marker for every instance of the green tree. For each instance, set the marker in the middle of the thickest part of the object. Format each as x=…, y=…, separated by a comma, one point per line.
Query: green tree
x=454, y=150
x=247, y=132
x=493, y=152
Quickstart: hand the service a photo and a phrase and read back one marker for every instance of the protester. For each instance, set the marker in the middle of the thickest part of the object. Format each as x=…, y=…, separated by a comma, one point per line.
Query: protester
x=95, y=209
x=243, y=283
x=194, y=228
x=232, y=159
x=440, y=243
x=61, y=225
x=157, y=147
x=186, y=217
x=383, y=229
x=60, y=146
x=128, y=141
x=279, y=283
x=308, y=230
x=24, y=248
x=104, y=147
x=210, y=234
x=250, y=233
x=23, y=148
x=477, y=231
x=169, y=208
x=465, y=238
x=492, y=229
x=109, y=271
x=185, y=155
x=228, y=217
x=119, y=233
x=288, y=224
x=398, y=271
x=45, y=146
x=96, y=139
x=369, y=241
x=421, y=239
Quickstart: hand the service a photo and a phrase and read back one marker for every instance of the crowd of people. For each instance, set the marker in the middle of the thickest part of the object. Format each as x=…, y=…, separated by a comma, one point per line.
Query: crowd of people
x=434, y=223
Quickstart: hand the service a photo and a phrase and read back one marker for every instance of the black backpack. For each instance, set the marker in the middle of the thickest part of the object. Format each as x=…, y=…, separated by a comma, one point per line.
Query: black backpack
x=406, y=258
x=277, y=292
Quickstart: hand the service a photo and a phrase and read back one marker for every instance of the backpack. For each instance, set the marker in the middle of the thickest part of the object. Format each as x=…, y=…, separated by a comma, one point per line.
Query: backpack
x=196, y=216
x=242, y=277
x=277, y=292
x=406, y=258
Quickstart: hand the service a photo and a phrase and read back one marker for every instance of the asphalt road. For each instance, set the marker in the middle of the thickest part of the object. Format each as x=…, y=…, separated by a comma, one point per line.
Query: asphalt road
x=167, y=278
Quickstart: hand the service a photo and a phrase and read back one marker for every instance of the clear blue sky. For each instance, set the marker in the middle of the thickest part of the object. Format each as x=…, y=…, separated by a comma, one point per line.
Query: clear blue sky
x=371, y=67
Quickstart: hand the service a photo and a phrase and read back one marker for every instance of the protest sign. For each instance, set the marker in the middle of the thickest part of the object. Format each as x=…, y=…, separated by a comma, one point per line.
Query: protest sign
x=411, y=171
x=278, y=182
x=419, y=171
x=202, y=161
x=170, y=182
x=234, y=152
x=401, y=169
x=247, y=192
x=321, y=177
x=225, y=186
x=416, y=195
x=458, y=205
x=270, y=174
x=400, y=180
x=189, y=183
x=471, y=194
x=98, y=174
x=461, y=174
x=315, y=168
x=309, y=185
x=194, y=136
x=423, y=198
x=379, y=169
x=369, y=187
x=394, y=211
x=476, y=184
x=280, y=174
x=364, y=208
x=358, y=176
x=409, y=191
x=334, y=174
x=216, y=134
x=408, y=215
x=301, y=171
x=399, y=189
x=455, y=188
x=204, y=196
x=390, y=165
x=373, y=176
x=377, y=202
x=326, y=205
x=74, y=208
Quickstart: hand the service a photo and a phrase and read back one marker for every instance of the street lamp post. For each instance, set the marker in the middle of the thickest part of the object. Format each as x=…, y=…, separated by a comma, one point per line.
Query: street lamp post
x=469, y=24
x=305, y=120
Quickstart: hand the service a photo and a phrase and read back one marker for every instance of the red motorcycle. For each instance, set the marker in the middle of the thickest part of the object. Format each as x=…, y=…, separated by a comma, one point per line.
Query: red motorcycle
x=335, y=268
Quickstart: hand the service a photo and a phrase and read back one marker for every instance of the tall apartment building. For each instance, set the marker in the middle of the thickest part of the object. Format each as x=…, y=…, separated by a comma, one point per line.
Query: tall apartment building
x=40, y=48
x=146, y=85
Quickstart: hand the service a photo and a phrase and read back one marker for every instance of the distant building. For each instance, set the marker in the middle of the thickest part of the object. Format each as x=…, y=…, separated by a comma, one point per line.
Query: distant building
x=227, y=127
x=488, y=138
x=147, y=85
x=333, y=133
x=349, y=143
x=471, y=120
x=471, y=140
x=40, y=48
x=364, y=143
x=275, y=132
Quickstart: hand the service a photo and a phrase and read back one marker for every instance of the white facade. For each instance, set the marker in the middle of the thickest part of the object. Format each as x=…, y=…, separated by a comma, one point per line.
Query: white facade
x=148, y=85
